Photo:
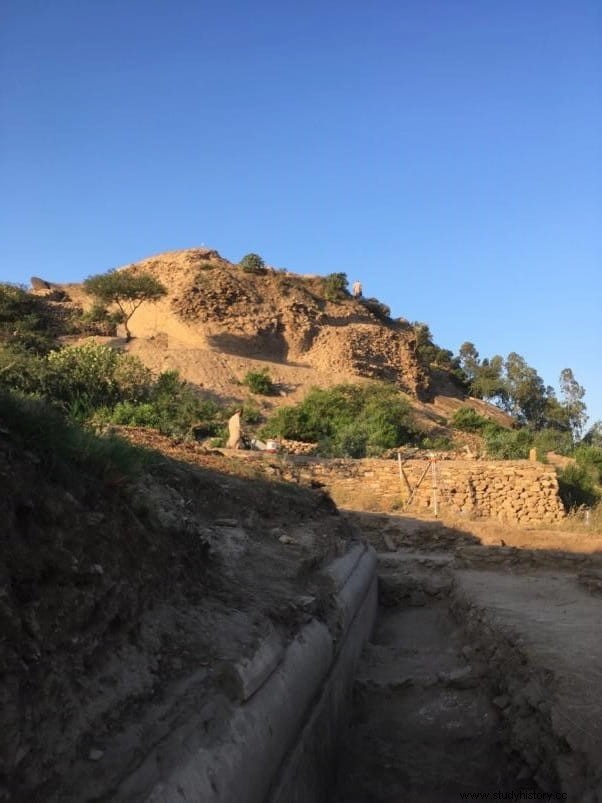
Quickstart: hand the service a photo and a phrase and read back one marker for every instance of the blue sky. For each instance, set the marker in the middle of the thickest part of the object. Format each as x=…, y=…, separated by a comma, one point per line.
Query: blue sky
x=448, y=154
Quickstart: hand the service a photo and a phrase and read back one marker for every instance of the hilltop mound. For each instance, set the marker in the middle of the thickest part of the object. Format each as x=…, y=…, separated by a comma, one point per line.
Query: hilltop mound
x=283, y=318
x=218, y=322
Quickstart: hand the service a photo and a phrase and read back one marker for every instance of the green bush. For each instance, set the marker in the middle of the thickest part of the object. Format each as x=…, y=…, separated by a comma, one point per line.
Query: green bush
x=347, y=420
x=251, y=414
x=335, y=286
x=552, y=440
x=507, y=444
x=252, y=263
x=375, y=306
x=22, y=371
x=62, y=448
x=99, y=321
x=576, y=487
x=26, y=323
x=83, y=378
x=468, y=420
x=172, y=406
x=259, y=382
x=590, y=459
x=437, y=443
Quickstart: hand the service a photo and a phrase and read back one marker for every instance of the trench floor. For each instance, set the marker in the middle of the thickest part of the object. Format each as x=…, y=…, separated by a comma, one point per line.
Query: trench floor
x=423, y=729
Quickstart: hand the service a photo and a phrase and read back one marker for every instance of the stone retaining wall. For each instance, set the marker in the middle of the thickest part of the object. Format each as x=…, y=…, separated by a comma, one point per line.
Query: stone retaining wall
x=517, y=491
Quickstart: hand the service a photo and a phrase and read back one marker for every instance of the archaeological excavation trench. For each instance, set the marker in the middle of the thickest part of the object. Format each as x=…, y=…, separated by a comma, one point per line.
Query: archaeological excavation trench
x=482, y=675
x=451, y=672
x=434, y=668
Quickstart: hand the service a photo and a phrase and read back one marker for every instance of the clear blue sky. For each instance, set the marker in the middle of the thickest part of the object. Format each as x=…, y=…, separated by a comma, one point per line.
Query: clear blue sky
x=448, y=154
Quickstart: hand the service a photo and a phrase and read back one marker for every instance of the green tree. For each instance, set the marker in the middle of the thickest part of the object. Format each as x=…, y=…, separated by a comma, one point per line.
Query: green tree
x=126, y=289
x=468, y=357
x=527, y=394
x=429, y=353
x=489, y=381
x=573, y=393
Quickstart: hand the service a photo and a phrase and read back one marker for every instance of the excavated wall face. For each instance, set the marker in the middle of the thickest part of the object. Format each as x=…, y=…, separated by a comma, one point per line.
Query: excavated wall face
x=518, y=492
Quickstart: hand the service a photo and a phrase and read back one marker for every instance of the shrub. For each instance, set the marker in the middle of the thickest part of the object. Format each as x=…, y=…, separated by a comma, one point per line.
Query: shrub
x=375, y=306
x=251, y=414
x=347, y=420
x=99, y=321
x=468, y=420
x=25, y=320
x=172, y=406
x=83, y=378
x=590, y=459
x=259, y=382
x=252, y=263
x=437, y=443
x=504, y=444
x=335, y=286
x=576, y=487
x=22, y=371
x=552, y=440
x=61, y=447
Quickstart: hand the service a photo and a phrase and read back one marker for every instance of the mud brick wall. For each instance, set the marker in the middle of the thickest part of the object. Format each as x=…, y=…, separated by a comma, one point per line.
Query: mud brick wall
x=518, y=491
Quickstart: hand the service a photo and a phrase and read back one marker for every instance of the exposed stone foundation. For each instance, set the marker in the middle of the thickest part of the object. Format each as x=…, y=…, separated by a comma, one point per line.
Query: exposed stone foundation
x=516, y=491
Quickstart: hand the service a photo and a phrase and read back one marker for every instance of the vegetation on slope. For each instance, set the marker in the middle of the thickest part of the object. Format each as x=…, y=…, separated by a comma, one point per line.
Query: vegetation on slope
x=96, y=385
x=347, y=420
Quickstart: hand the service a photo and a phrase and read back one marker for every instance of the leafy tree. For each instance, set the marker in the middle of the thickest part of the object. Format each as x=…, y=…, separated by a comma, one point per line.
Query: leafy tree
x=485, y=378
x=252, y=263
x=573, y=393
x=590, y=458
x=468, y=357
x=489, y=381
x=126, y=289
x=429, y=353
x=526, y=391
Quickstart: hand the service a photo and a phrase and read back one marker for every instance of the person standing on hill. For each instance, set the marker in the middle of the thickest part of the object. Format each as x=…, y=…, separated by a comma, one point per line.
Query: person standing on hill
x=356, y=289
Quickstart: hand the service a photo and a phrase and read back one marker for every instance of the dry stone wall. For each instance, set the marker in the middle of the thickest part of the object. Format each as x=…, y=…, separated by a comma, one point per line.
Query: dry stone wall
x=520, y=492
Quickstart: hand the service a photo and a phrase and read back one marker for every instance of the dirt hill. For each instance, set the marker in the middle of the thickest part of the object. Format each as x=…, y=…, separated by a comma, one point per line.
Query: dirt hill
x=218, y=322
